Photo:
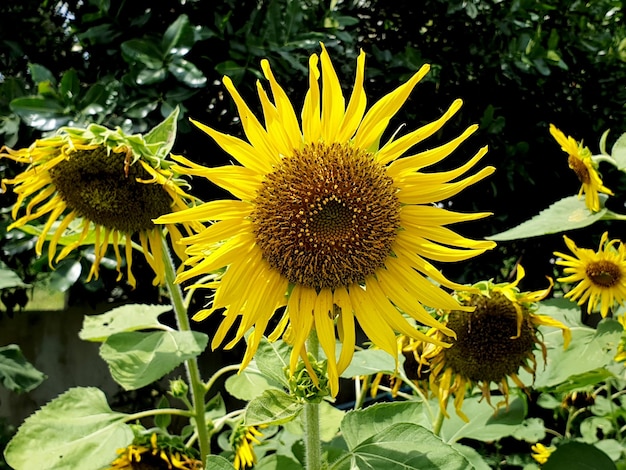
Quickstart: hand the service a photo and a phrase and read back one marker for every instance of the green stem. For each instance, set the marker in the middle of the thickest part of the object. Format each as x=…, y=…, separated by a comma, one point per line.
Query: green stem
x=219, y=373
x=438, y=423
x=159, y=411
x=191, y=365
x=311, y=419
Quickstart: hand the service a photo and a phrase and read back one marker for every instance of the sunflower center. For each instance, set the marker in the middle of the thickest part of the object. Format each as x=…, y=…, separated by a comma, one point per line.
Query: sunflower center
x=104, y=189
x=603, y=273
x=486, y=348
x=579, y=167
x=326, y=216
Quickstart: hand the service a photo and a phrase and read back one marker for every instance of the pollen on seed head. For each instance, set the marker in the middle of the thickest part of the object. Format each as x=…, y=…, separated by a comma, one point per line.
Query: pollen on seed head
x=579, y=167
x=603, y=273
x=103, y=188
x=347, y=237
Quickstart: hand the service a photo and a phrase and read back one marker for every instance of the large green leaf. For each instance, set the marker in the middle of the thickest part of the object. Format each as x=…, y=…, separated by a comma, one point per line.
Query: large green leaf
x=137, y=359
x=590, y=349
x=359, y=425
x=369, y=362
x=16, y=373
x=578, y=456
x=403, y=446
x=330, y=421
x=271, y=408
x=618, y=152
x=76, y=430
x=126, y=318
x=567, y=214
x=187, y=73
x=486, y=424
x=217, y=462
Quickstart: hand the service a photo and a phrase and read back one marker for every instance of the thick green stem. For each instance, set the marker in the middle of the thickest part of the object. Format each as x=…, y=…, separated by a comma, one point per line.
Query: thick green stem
x=191, y=365
x=438, y=423
x=311, y=419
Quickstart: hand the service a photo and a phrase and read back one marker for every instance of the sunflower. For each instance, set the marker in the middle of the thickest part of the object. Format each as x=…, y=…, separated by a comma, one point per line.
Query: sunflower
x=585, y=168
x=98, y=187
x=328, y=223
x=620, y=356
x=601, y=275
x=242, y=440
x=156, y=452
x=492, y=343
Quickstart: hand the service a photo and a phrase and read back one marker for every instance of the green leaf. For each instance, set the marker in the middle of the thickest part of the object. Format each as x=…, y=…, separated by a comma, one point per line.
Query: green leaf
x=163, y=421
x=149, y=76
x=187, y=73
x=45, y=114
x=161, y=138
x=618, y=152
x=70, y=85
x=231, y=69
x=359, y=425
x=145, y=51
x=272, y=407
x=567, y=214
x=473, y=457
x=130, y=317
x=217, y=462
x=65, y=275
x=277, y=462
x=402, y=445
x=250, y=383
x=330, y=421
x=16, y=373
x=590, y=349
x=137, y=359
x=272, y=359
x=178, y=37
x=75, y=428
x=369, y=362
x=9, y=278
x=578, y=456
x=486, y=424
x=39, y=74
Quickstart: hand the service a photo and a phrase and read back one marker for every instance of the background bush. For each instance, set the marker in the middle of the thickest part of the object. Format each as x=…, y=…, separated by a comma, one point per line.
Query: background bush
x=518, y=65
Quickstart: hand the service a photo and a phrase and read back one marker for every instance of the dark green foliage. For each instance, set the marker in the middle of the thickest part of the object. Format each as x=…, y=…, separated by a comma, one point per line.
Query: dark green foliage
x=517, y=65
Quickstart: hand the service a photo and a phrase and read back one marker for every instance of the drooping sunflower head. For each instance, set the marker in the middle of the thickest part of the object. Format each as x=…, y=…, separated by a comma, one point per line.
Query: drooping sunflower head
x=600, y=275
x=100, y=187
x=328, y=225
x=156, y=452
x=580, y=161
x=493, y=342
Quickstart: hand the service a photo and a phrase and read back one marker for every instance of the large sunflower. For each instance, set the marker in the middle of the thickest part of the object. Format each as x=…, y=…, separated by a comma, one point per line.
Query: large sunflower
x=601, y=275
x=580, y=161
x=97, y=187
x=493, y=342
x=328, y=224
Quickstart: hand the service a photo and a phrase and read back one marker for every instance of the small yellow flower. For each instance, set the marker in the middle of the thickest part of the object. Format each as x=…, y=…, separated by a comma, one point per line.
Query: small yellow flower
x=331, y=226
x=97, y=187
x=601, y=275
x=541, y=453
x=586, y=169
x=492, y=343
x=155, y=453
x=242, y=440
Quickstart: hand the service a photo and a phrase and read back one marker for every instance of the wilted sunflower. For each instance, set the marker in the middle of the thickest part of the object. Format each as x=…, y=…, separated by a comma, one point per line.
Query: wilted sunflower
x=242, y=440
x=601, y=275
x=99, y=187
x=492, y=343
x=155, y=453
x=328, y=223
x=586, y=169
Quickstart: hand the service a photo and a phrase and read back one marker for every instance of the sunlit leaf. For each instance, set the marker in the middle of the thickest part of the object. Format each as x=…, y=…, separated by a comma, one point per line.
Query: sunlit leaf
x=131, y=317
x=567, y=214
x=77, y=427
